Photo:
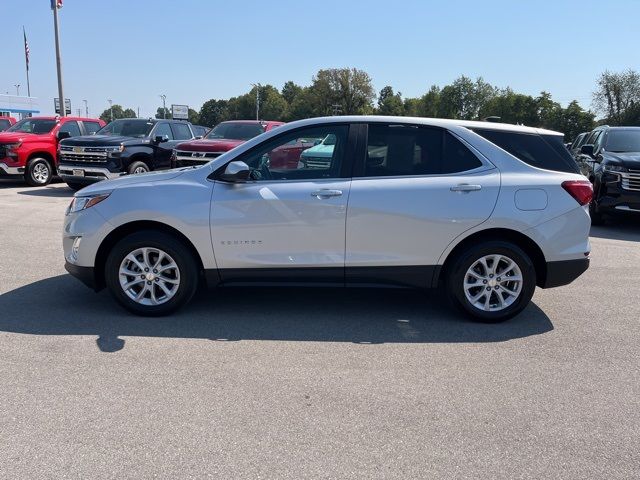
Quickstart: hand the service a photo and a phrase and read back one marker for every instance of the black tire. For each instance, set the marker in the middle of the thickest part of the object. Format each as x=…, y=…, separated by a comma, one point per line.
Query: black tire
x=39, y=172
x=455, y=279
x=180, y=253
x=75, y=186
x=138, y=166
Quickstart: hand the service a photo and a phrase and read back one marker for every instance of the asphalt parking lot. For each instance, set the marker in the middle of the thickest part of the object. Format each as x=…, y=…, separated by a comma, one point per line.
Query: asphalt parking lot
x=306, y=383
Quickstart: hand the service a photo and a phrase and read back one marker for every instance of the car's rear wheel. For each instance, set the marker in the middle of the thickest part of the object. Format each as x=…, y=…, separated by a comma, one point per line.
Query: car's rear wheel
x=151, y=273
x=492, y=281
x=39, y=172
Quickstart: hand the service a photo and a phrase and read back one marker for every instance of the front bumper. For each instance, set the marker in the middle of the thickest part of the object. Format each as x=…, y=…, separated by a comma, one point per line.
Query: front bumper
x=564, y=272
x=612, y=196
x=85, y=274
x=7, y=170
x=91, y=174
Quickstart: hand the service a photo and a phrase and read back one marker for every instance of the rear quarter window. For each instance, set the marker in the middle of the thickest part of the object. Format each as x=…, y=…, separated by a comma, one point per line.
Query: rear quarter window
x=541, y=151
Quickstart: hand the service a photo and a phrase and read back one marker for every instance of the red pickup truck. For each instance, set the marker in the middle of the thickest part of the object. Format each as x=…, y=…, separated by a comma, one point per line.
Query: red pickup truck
x=222, y=138
x=6, y=122
x=30, y=147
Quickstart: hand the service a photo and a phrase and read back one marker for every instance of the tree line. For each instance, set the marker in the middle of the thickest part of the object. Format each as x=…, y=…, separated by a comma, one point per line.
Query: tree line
x=349, y=91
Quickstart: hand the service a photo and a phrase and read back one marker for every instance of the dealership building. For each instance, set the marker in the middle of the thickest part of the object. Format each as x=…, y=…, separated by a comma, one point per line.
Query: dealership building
x=18, y=106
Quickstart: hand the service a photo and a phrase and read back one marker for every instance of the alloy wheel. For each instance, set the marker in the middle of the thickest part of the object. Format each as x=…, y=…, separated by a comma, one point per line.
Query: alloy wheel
x=493, y=283
x=40, y=173
x=149, y=276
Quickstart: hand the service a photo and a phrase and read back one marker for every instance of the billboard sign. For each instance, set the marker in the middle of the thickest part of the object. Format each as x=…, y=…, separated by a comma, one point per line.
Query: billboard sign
x=67, y=106
x=180, y=112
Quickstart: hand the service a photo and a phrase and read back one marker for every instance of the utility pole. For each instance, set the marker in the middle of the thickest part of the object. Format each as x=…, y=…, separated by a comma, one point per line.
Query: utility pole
x=79, y=110
x=86, y=108
x=257, y=87
x=164, y=106
x=63, y=110
x=17, y=89
x=111, y=108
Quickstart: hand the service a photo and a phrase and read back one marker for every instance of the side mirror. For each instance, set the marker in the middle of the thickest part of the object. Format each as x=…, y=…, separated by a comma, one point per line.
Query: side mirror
x=236, y=172
x=161, y=138
x=62, y=135
x=587, y=150
x=198, y=137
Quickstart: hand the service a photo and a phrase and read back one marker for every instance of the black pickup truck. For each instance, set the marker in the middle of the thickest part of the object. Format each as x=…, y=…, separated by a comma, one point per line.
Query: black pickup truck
x=610, y=158
x=124, y=146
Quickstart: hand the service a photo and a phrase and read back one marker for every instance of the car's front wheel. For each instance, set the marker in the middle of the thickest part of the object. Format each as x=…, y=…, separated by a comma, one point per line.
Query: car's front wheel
x=151, y=273
x=492, y=281
x=39, y=172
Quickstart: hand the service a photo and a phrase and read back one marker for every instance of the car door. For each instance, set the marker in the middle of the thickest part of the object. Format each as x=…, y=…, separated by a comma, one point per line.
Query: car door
x=284, y=224
x=414, y=191
x=163, y=150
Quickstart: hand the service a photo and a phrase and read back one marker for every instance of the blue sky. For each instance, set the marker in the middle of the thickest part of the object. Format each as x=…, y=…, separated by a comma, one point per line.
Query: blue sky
x=193, y=50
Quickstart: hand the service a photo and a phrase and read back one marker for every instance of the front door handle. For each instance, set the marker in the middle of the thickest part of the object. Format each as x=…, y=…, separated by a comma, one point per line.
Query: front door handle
x=326, y=193
x=465, y=187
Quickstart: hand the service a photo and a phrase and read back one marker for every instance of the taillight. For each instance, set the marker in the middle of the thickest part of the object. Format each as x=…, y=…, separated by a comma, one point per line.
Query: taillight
x=580, y=190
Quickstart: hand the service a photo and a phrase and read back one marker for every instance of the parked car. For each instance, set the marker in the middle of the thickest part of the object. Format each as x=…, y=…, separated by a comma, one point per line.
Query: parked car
x=611, y=161
x=125, y=146
x=6, y=122
x=29, y=148
x=222, y=138
x=574, y=147
x=486, y=210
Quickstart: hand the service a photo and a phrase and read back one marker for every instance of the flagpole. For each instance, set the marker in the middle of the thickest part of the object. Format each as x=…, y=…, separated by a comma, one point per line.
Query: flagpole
x=63, y=110
x=26, y=60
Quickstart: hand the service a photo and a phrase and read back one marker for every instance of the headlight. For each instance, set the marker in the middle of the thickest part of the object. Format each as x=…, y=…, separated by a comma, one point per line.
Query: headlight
x=13, y=146
x=113, y=150
x=613, y=168
x=82, y=203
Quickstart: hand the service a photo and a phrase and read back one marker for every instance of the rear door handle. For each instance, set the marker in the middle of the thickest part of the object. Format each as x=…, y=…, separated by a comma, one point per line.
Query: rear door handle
x=465, y=187
x=326, y=193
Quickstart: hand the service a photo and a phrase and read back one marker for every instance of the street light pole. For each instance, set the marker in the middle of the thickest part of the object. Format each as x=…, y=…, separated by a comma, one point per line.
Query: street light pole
x=17, y=90
x=86, y=108
x=257, y=87
x=111, y=108
x=63, y=110
x=164, y=106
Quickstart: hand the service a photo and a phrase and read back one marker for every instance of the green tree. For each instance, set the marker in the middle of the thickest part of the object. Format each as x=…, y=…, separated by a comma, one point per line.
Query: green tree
x=430, y=103
x=290, y=91
x=159, y=113
x=302, y=106
x=193, y=116
x=390, y=103
x=213, y=112
x=118, y=112
x=512, y=107
x=616, y=93
x=342, y=90
x=464, y=98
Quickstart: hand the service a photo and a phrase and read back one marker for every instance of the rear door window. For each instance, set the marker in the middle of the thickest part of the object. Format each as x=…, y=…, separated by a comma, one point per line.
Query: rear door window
x=541, y=151
x=162, y=129
x=181, y=131
x=71, y=127
x=91, y=127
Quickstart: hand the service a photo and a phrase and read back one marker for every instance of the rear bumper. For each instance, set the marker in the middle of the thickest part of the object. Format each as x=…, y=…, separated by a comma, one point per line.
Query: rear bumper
x=564, y=272
x=84, y=274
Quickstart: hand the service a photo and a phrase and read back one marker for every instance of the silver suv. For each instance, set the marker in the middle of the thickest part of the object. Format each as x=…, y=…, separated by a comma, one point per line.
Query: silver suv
x=486, y=211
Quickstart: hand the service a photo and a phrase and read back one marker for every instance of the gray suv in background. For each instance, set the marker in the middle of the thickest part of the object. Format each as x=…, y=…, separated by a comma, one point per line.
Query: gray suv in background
x=485, y=211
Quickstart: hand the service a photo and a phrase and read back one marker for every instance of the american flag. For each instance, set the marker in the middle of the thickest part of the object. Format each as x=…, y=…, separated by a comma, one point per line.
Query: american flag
x=26, y=48
x=56, y=3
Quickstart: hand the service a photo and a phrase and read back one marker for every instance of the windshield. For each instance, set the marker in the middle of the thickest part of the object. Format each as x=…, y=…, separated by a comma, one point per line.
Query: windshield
x=30, y=125
x=623, y=141
x=127, y=128
x=235, y=131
